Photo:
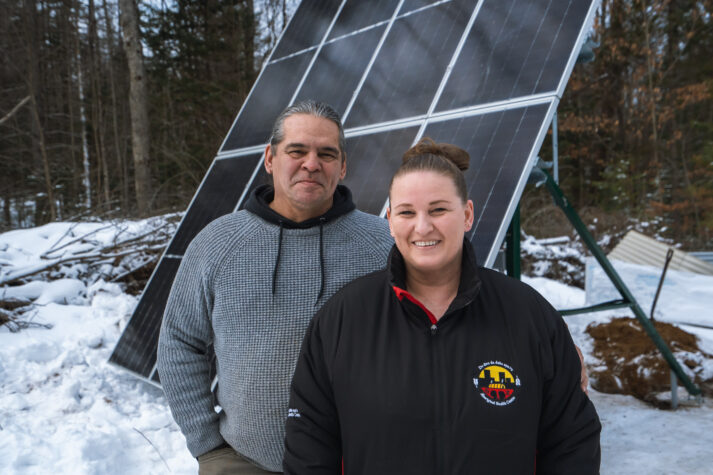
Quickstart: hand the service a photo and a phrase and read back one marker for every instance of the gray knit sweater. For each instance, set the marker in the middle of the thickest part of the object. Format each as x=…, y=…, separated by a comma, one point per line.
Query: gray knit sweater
x=223, y=294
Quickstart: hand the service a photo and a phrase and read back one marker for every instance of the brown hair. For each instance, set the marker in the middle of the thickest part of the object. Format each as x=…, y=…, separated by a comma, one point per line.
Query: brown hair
x=444, y=158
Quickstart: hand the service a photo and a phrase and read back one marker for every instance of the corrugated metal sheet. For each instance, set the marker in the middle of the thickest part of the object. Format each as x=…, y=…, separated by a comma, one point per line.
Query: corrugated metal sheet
x=640, y=249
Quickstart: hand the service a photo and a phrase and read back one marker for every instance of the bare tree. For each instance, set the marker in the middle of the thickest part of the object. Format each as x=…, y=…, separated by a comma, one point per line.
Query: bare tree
x=138, y=101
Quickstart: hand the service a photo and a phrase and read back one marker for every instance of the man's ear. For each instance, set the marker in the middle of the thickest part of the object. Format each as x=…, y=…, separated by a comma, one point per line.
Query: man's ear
x=344, y=166
x=268, y=159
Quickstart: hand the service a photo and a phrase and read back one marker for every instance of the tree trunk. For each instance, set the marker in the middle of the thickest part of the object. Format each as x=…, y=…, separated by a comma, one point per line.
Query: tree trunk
x=45, y=158
x=33, y=86
x=138, y=102
x=114, y=110
x=86, y=177
x=97, y=106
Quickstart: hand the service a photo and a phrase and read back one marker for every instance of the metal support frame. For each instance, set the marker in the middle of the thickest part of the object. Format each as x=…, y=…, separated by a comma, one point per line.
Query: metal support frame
x=512, y=246
x=669, y=256
x=628, y=299
x=555, y=149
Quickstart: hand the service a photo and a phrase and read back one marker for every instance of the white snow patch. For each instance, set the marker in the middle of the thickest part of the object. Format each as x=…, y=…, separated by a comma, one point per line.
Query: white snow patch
x=63, y=291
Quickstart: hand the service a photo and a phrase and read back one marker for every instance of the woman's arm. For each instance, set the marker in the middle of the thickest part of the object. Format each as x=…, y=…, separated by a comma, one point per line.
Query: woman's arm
x=312, y=441
x=568, y=438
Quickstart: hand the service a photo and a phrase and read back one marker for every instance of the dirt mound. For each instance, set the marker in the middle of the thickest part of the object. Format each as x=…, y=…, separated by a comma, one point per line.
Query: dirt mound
x=631, y=363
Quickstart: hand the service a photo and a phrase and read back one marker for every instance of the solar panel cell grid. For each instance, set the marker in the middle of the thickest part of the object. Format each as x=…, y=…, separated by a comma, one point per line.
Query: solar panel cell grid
x=307, y=27
x=567, y=19
x=410, y=5
x=357, y=15
x=261, y=178
x=499, y=144
x=410, y=65
x=136, y=349
x=270, y=95
x=514, y=49
x=374, y=159
x=217, y=196
x=339, y=67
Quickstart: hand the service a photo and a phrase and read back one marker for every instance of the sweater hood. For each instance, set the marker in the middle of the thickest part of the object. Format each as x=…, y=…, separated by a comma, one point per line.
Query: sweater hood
x=259, y=203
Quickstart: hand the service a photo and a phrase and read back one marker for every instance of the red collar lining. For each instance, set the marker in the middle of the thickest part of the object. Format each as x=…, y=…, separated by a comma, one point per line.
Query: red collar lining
x=401, y=293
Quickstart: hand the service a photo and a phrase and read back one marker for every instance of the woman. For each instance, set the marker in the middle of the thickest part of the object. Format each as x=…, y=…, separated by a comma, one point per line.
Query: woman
x=435, y=365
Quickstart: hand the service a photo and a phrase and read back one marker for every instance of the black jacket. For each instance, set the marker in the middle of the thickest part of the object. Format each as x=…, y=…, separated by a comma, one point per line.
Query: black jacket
x=491, y=388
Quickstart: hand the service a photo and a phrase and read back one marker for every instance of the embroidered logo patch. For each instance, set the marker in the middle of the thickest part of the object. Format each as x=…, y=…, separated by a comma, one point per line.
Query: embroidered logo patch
x=497, y=383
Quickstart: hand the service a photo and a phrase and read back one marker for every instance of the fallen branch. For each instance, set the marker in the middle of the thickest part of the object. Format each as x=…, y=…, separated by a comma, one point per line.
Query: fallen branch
x=15, y=276
x=13, y=324
x=155, y=448
x=53, y=249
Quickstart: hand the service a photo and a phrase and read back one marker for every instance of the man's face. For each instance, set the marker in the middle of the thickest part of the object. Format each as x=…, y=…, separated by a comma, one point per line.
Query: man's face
x=306, y=167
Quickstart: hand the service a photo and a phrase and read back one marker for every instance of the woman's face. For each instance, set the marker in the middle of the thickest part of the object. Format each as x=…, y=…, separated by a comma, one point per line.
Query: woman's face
x=428, y=220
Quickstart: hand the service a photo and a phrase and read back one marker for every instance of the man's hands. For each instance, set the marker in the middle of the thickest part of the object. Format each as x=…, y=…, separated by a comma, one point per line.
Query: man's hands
x=584, y=379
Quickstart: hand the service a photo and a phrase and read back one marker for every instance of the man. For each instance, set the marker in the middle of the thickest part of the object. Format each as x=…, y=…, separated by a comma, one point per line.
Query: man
x=249, y=284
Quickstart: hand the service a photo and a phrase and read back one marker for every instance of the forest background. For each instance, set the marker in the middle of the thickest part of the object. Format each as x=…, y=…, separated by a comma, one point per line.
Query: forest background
x=635, y=125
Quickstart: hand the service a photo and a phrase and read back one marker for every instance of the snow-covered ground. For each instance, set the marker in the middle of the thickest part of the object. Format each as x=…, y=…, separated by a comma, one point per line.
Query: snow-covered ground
x=64, y=409
x=637, y=438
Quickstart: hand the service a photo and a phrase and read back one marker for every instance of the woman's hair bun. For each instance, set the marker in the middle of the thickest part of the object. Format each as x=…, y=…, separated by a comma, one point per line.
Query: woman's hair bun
x=452, y=153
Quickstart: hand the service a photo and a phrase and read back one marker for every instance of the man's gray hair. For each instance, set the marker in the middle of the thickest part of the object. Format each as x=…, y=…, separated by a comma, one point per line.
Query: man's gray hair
x=309, y=107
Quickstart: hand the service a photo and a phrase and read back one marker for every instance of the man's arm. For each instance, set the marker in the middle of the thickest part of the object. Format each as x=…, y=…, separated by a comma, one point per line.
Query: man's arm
x=312, y=442
x=183, y=359
x=568, y=438
x=583, y=376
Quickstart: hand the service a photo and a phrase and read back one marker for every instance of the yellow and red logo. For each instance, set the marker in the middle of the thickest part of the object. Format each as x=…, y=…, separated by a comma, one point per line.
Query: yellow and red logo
x=496, y=382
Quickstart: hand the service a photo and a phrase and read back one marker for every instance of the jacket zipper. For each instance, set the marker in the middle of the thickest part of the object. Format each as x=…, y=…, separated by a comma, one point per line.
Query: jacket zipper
x=438, y=424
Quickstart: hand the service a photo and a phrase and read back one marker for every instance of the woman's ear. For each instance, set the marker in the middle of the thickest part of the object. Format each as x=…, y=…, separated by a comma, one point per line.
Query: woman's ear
x=469, y=215
x=388, y=218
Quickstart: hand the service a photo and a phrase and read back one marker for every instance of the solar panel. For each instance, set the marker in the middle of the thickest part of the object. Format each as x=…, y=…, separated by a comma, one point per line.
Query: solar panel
x=371, y=162
x=136, y=349
x=500, y=144
x=485, y=75
x=410, y=65
x=221, y=188
x=331, y=75
x=357, y=15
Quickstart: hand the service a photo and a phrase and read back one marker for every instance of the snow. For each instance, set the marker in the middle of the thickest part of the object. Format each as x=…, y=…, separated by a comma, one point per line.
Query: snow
x=64, y=409
x=685, y=297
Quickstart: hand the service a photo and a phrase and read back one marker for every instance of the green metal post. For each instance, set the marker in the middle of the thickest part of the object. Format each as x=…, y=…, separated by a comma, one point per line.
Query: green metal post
x=512, y=246
x=597, y=252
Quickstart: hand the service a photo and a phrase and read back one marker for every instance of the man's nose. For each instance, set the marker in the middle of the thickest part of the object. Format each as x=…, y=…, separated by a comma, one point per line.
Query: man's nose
x=311, y=162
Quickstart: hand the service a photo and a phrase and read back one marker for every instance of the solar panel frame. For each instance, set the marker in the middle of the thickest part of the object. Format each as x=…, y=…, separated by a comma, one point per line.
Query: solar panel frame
x=431, y=116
